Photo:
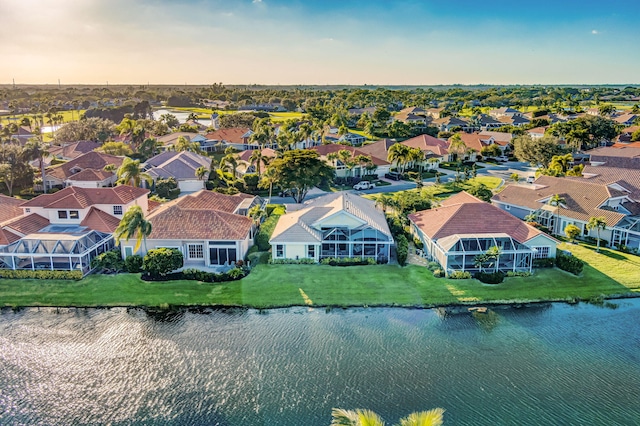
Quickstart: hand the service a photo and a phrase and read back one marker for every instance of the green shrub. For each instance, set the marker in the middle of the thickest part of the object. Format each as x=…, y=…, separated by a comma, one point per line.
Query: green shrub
x=262, y=241
x=519, y=274
x=236, y=273
x=418, y=243
x=133, y=264
x=569, y=263
x=490, y=277
x=24, y=274
x=109, y=262
x=303, y=261
x=167, y=188
x=432, y=266
x=402, y=249
x=348, y=261
x=161, y=261
x=267, y=227
x=547, y=262
x=438, y=273
x=460, y=275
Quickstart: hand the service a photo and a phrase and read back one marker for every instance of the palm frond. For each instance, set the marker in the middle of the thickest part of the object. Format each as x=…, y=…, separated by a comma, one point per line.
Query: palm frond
x=432, y=417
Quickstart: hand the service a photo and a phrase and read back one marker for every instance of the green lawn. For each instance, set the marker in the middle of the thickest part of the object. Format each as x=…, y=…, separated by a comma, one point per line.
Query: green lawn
x=608, y=273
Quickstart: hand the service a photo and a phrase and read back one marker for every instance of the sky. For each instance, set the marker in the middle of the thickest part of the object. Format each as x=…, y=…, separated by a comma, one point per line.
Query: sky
x=319, y=42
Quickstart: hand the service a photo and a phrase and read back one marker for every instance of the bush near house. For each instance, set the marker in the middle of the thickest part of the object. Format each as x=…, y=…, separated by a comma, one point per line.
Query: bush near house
x=345, y=261
x=274, y=211
x=547, y=262
x=204, y=276
x=569, y=263
x=161, y=261
x=40, y=275
x=402, y=249
x=460, y=275
x=109, y=262
x=490, y=277
x=133, y=264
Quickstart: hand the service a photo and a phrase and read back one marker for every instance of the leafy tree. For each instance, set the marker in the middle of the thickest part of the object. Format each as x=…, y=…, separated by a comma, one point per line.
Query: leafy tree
x=170, y=120
x=599, y=224
x=150, y=147
x=14, y=166
x=300, y=170
x=161, y=261
x=457, y=147
x=131, y=173
x=91, y=129
x=167, y=188
x=201, y=172
x=492, y=150
x=586, y=132
x=481, y=191
x=133, y=223
x=116, y=148
x=515, y=177
x=571, y=231
x=398, y=154
x=606, y=110
x=240, y=119
x=35, y=149
x=536, y=151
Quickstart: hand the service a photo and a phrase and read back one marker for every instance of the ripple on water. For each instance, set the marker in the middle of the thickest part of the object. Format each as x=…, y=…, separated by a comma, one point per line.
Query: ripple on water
x=547, y=364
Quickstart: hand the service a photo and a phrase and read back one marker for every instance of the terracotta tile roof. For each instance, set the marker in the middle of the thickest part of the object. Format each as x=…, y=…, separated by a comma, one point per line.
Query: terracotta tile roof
x=7, y=237
x=582, y=199
x=605, y=175
x=464, y=216
x=179, y=165
x=90, y=175
x=412, y=110
x=538, y=130
x=100, y=220
x=460, y=198
x=9, y=208
x=202, y=215
x=27, y=224
x=233, y=135
x=266, y=152
x=152, y=205
x=627, y=156
x=379, y=149
x=451, y=121
x=92, y=160
x=77, y=197
x=427, y=143
x=473, y=140
x=73, y=150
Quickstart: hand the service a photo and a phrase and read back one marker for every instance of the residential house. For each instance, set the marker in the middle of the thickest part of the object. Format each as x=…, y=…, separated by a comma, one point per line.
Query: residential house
x=245, y=165
x=335, y=225
x=445, y=124
x=22, y=135
x=626, y=134
x=505, y=112
x=474, y=143
x=70, y=151
x=501, y=138
x=170, y=140
x=627, y=157
x=434, y=113
x=419, y=121
x=431, y=147
x=67, y=229
x=537, y=132
x=331, y=135
x=515, y=120
x=626, y=119
x=181, y=166
x=86, y=171
x=358, y=170
x=209, y=228
x=487, y=122
x=237, y=137
x=463, y=227
x=9, y=209
x=378, y=149
x=581, y=199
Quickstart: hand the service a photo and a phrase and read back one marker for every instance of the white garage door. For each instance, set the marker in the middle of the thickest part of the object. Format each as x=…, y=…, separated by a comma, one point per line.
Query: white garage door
x=191, y=185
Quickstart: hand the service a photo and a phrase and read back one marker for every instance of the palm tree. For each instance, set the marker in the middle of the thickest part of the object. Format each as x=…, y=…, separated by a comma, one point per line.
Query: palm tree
x=229, y=162
x=35, y=149
x=359, y=417
x=258, y=159
x=398, y=154
x=416, y=156
x=457, y=146
x=556, y=200
x=201, y=172
x=131, y=173
x=268, y=179
x=597, y=223
x=133, y=224
x=383, y=201
x=192, y=117
x=515, y=177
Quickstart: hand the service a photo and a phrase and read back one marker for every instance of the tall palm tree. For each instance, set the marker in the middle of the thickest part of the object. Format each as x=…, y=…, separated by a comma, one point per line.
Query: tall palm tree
x=457, y=146
x=398, y=154
x=35, y=149
x=229, y=162
x=201, y=172
x=131, y=173
x=133, y=224
x=268, y=179
x=598, y=223
x=258, y=159
x=416, y=156
x=557, y=201
x=361, y=417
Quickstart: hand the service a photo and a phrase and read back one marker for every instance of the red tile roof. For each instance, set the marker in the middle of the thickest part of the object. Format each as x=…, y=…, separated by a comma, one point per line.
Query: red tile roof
x=474, y=140
x=266, y=152
x=427, y=143
x=27, y=224
x=92, y=160
x=7, y=237
x=73, y=150
x=233, y=135
x=9, y=208
x=76, y=197
x=100, y=220
x=466, y=215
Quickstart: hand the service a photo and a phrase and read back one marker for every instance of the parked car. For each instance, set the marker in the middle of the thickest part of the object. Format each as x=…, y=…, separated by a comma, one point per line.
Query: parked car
x=365, y=184
x=285, y=193
x=531, y=179
x=502, y=158
x=393, y=175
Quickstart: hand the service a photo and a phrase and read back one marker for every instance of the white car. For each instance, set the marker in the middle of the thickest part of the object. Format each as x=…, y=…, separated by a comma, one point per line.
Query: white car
x=365, y=184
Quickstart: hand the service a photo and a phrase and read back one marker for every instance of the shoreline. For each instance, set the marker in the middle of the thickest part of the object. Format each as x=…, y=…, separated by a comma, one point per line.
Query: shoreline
x=517, y=304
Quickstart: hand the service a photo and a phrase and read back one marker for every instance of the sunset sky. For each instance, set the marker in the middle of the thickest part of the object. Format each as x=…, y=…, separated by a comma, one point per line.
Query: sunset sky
x=319, y=42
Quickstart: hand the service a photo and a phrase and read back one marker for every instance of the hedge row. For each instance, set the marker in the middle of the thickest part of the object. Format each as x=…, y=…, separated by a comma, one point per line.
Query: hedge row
x=346, y=261
x=41, y=274
x=569, y=263
x=196, y=274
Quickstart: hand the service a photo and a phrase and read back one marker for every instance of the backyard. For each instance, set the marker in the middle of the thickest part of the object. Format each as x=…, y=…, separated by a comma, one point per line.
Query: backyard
x=606, y=273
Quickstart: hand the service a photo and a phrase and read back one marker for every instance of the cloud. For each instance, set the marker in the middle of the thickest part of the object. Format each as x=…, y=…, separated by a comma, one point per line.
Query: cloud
x=595, y=32
x=256, y=1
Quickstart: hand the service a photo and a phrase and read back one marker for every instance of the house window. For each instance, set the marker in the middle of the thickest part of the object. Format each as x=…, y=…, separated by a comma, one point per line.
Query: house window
x=27, y=210
x=73, y=214
x=279, y=250
x=585, y=230
x=62, y=214
x=128, y=251
x=117, y=210
x=311, y=251
x=195, y=251
x=507, y=207
x=542, y=252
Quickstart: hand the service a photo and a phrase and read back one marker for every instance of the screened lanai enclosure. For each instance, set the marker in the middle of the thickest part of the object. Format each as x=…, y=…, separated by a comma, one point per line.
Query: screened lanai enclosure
x=458, y=253
x=359, y=242
x=70, y=250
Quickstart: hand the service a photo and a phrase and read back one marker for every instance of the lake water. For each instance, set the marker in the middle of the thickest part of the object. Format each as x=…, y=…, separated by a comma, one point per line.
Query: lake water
x=543, y=365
